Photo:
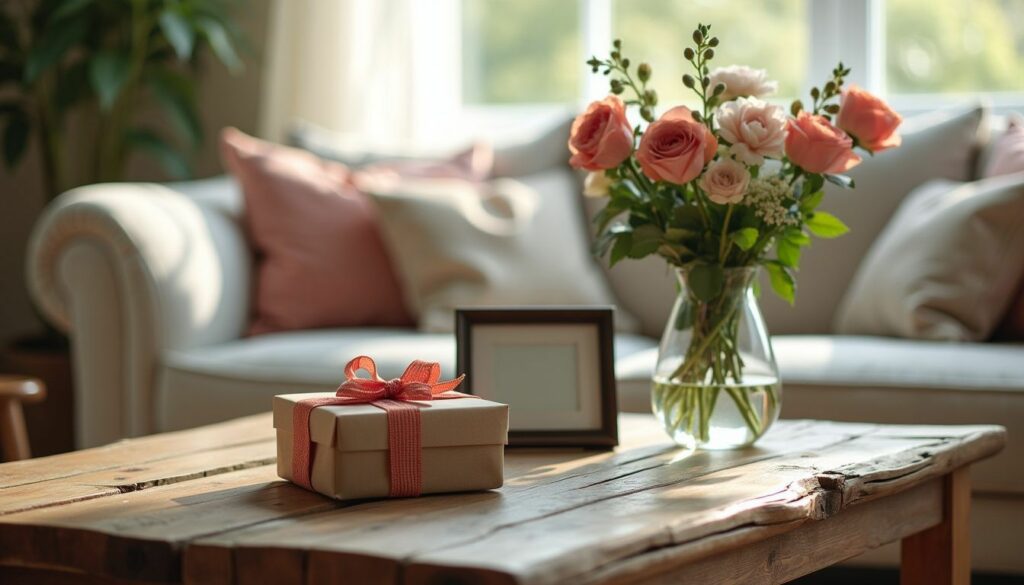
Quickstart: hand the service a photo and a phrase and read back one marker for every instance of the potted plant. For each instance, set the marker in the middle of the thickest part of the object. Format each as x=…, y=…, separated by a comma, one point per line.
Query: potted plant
x=103, y=61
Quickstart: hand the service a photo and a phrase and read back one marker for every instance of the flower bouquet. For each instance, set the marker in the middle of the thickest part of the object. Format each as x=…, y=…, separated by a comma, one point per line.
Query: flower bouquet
x=718, y=191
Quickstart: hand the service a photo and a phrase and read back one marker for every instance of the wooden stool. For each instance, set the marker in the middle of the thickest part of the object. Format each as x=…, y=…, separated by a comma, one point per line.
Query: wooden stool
x=14, y=390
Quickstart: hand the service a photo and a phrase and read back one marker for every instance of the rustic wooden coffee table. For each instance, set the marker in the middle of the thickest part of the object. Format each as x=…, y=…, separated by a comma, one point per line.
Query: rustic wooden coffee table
x=205, y=506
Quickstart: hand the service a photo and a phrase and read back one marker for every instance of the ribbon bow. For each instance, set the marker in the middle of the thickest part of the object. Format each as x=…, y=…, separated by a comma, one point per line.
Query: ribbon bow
x=420, y=382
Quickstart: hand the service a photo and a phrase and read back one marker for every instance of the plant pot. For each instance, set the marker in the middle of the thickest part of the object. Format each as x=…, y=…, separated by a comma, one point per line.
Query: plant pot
x=716, y=384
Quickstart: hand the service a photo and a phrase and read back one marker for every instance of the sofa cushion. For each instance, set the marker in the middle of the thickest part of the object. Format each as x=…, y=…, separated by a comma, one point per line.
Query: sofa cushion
x=203, y=385
x=874, y=379
x=947, y=266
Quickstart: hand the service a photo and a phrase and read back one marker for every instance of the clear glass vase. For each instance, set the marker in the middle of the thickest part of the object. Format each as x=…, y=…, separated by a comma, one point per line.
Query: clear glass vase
x=716, y=385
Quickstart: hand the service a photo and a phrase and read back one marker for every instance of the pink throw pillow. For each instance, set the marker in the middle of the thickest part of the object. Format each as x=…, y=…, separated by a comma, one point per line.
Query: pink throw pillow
x=320, y=258
x=1008, y=151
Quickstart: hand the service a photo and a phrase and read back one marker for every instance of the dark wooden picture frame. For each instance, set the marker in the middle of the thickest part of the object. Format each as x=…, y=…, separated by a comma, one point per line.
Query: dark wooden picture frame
x=606, y=436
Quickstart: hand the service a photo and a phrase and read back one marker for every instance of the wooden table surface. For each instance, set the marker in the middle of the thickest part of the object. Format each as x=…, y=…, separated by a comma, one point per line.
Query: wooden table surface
x=206, y=507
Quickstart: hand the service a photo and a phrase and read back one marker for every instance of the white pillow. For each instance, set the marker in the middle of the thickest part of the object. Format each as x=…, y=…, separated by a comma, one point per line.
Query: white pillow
x=502, y=243
x=946, y=267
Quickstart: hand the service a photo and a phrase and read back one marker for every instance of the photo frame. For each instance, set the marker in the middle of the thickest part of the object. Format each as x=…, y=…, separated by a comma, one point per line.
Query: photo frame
x=554, y=367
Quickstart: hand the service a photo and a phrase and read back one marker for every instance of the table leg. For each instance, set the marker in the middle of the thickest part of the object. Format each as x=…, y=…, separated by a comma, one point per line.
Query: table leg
x=13, y=436
x=941, y=555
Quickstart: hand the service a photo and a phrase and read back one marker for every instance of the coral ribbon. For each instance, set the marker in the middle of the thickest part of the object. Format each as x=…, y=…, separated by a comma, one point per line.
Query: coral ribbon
x=419, y=382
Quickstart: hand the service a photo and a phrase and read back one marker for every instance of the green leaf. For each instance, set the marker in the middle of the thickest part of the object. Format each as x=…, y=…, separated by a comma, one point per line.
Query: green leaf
x=744, y=238
x=69, y=8
x=841, y=180
x=673, y=234
x=688, y=217
x=177, y=96
x=152, y=144
x=705, y=280
x=622, y=246
x=825, y=225
x=797, y=236
x=15, y=137
x=812, y=201
x=108, y=72
x=788, y=252
x=782, y=282
x=646, y=239
x=813, y=183
x=179, y=32
x=684, y=320
x=220, y=42
x=53, y=45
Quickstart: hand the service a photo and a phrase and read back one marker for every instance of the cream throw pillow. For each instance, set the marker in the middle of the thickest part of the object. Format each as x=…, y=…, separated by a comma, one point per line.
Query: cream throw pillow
x=946, y=267
x=505, y=242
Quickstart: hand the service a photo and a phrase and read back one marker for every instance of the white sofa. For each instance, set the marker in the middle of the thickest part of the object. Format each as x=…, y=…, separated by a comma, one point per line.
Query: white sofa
x=152, y=283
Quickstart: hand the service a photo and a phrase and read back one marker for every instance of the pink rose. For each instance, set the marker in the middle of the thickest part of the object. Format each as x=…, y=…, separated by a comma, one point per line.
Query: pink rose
x=601, y=137
x=676, y=147
x=868, y=119
x=725, y=181
x=816, y=146
x=755, y=129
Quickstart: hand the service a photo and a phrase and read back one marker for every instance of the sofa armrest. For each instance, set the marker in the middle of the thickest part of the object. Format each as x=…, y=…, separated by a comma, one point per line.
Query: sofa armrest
x=130, y=271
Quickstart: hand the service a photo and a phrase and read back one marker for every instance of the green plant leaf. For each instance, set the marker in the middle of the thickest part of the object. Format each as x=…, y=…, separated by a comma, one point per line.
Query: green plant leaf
x=812, y=201
x=108, y=72
x=688, y=217
x=623, y=244
x=684, y=320
x=220, y=42
x=149, y=142
x=744, y=238
x=826, y=225
x=179, y=32
x=15, y=137
x=841, y=181
x=176, y=95
x=705, y=280
x=782, y=282
x=813, y=183
x=646, y=239
x=788, y=252
x=797, y=236
x=52, y=47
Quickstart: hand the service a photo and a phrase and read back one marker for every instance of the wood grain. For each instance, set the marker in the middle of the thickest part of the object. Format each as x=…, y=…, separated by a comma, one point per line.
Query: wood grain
x=204, y=507
x=941, y=555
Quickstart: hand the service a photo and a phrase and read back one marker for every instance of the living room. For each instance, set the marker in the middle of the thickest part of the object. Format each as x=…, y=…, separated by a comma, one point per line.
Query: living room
x=737, y=289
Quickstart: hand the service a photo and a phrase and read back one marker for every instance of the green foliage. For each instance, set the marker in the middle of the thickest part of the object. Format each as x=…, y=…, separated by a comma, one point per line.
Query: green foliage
x=744, y=238
x=113, y=56
x=825, y=225
x=782, y=281
x=706, y=281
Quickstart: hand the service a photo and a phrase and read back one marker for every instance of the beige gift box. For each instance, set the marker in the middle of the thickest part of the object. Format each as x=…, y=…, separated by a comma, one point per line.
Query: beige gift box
x=462, y=443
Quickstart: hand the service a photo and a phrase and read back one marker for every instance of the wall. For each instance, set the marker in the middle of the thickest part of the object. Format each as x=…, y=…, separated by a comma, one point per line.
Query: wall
x=224, y=100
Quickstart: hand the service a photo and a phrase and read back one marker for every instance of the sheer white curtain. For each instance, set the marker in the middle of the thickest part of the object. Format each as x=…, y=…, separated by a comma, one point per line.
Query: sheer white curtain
x=385, y=71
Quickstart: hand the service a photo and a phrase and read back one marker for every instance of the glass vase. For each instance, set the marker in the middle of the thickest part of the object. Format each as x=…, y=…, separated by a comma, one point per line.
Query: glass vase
x=716, y=385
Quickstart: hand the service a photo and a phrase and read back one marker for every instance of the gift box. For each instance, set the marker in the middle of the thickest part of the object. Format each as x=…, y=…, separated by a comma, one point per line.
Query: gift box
x=382, y=443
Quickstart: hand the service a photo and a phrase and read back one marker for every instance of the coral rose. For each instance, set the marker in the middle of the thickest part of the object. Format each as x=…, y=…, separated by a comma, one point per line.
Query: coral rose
x=868, y=119
x=676, y=147
x=742, y=81
x=601, y=137
x=755, y=128
x=725, y=181
x=816, y=146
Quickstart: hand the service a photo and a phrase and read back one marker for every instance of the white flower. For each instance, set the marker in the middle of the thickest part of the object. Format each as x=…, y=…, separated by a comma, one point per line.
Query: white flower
x=742, y=81
x=766, y=197
x=596, y=184
x=754, y=128
x=725, y=181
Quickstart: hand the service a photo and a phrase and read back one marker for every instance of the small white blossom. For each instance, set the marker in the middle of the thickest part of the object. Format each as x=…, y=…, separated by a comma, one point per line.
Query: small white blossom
x=765, y=197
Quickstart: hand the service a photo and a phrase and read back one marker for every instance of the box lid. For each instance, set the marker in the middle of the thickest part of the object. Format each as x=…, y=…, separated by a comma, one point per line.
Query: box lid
x=363, y=427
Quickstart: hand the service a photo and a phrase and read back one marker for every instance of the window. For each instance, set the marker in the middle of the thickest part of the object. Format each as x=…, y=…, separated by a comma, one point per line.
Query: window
x=954, y=46
x=520, y=51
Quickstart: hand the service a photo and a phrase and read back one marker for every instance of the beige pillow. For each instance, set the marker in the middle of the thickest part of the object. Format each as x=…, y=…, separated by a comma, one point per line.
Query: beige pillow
x=946, y=267
x=505, y=242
